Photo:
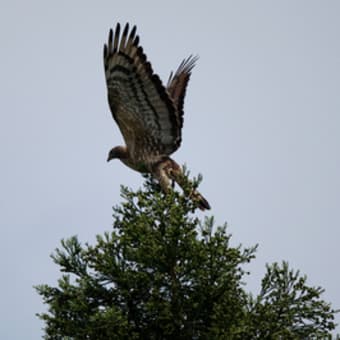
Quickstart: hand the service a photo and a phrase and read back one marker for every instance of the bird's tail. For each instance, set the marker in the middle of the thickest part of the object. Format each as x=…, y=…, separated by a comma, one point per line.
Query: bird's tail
x=202, y=203
x=168, y=170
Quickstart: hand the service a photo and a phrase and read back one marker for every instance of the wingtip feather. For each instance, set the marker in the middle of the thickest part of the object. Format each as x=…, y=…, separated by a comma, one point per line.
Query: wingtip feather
x=133, y=31
x=126, y=29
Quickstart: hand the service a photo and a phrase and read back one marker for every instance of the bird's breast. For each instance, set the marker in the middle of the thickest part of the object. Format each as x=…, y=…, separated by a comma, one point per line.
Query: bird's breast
x=137, y=166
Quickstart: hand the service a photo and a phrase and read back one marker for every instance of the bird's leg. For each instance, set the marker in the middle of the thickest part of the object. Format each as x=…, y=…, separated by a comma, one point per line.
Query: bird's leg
x=171, y=177
x=168, y=171
x=162, y=177
x=176, y=174
x=172, y=183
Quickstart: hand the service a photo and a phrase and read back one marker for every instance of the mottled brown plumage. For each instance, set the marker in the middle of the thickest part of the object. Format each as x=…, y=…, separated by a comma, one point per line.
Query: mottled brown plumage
x=149, y=115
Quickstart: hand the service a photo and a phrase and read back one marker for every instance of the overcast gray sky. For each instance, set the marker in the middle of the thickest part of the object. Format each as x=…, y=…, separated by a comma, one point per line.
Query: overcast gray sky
x=262, y=118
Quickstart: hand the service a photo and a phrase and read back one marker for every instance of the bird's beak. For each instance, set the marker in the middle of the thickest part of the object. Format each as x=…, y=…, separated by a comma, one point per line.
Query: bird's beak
x=108, y=159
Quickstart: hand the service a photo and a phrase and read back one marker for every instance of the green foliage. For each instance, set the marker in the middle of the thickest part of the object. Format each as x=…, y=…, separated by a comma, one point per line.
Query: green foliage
x=162, y=274
x=287, y=308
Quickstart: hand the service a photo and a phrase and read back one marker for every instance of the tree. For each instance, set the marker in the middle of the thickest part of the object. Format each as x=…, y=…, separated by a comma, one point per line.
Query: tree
x=163, y=274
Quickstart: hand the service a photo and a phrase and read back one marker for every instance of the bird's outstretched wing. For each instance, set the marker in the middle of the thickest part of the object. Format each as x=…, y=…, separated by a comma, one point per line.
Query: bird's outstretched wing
x=140, y=104
x=178, y=82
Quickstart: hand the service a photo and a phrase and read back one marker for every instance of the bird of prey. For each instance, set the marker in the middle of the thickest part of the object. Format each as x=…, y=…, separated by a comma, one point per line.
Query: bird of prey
x=149, y=115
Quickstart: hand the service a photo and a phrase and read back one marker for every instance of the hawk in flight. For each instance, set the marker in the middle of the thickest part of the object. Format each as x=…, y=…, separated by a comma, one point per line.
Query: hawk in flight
x=149, y=115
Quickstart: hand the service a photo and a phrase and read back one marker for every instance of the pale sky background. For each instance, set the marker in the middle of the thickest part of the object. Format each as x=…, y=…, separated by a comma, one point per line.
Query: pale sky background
x=262, y=119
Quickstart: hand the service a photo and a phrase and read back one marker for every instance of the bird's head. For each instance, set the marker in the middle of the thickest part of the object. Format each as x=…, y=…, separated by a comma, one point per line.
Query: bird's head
x=119, y=152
